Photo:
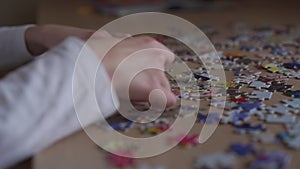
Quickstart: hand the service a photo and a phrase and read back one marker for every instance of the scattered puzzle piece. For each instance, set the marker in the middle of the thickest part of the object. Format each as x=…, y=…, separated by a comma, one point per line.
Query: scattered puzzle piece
x=185, y=140
x=293, y=93
x=235, y=117
x=239, y=99
x=292, y=65
x=281, y=52
x=248, y=128
x=278, y=87
x=242, y=149
x=293, y=128
x=281, y=109
x=291, y=140
x=264, y=137
x=215, y=160
x=250, y=106
x=272, y=118
x=259, y=85
x=270, y=160
x=274, y=68
x=295, y=103
x=229, y=105
x=123, y=126
x=260, y=113
x=155, y=127
x=265, y=95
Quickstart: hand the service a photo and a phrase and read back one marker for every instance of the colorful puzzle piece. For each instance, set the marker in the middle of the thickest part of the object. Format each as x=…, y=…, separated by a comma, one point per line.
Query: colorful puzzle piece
x=185, y=140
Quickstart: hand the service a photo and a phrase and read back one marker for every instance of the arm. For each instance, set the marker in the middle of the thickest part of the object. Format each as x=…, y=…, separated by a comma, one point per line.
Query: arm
x=21, y=44
x=36, y=107
x=13, y=47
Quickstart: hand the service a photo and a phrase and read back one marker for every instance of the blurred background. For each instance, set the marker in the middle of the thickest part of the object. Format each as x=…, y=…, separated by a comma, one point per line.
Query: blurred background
x=94, y=13
x=14, y=12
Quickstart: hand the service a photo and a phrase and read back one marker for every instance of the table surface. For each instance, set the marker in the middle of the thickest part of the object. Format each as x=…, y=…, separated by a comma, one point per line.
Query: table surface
x=78, y=151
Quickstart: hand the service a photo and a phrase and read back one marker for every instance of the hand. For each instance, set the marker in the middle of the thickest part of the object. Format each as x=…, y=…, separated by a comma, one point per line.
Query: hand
x=39, y=39
x=132, y=55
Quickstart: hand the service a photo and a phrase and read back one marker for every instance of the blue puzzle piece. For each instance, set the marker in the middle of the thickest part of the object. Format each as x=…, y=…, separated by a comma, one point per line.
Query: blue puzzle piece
x=239, y=38
x=294, y=93
x=285, y=137
x=210, y=118
x=242, y=150
x=123, y=126
x=250, y=48
x=248, y=128
x=292, y=65
x=291, y=140
x=201, y=118
x=281, y=52
x=248, y=106
x=240, y=116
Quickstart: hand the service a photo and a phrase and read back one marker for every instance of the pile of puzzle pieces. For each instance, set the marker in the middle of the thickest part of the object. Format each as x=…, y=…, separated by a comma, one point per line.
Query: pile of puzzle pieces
x=263, y=90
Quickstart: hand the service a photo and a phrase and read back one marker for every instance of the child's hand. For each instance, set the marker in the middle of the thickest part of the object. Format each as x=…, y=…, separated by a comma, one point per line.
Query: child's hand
x=128, y=59
x=39, y=39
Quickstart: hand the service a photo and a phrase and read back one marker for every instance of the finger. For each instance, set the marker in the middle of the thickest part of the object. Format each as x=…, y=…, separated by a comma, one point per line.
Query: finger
x=166, y=88
x=165, y=55
x=170, y=59
x=102, y=33
x=171, y=98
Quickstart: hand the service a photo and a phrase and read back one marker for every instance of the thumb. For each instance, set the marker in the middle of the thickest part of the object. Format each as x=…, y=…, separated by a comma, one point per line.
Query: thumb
x=160, y=98
x=171, y=98
x=166, y=88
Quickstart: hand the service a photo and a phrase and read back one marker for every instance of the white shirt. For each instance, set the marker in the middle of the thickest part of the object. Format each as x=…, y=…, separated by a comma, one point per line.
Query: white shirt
x=36, y=105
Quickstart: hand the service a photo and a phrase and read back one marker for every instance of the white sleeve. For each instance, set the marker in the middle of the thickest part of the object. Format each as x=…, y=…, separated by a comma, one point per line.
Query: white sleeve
x=13, y=47
x=36, y=107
